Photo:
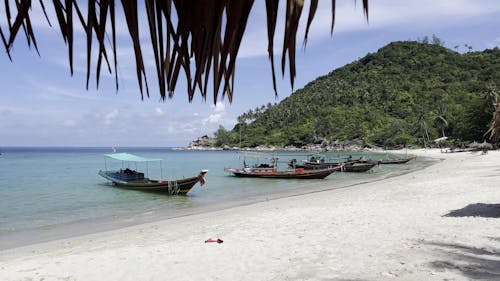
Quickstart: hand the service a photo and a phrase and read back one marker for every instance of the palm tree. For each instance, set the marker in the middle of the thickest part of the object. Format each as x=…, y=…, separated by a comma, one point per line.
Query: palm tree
x=441, y=122
x=494, y=130
x=183, y=32
x=422, y=121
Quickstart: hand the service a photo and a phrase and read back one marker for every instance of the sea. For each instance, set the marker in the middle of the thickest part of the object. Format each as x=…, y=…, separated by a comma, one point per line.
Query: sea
x=49, y=193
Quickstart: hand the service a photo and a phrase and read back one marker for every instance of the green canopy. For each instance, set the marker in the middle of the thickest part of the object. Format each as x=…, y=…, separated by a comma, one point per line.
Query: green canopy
x=130, y=157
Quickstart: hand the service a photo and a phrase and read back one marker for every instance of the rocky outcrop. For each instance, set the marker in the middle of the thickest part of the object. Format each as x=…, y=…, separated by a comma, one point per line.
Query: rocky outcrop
x=203, y=143
x=319, y=144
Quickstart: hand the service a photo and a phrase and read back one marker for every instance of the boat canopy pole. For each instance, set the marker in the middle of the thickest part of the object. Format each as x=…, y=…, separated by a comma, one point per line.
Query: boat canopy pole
x=161, y=170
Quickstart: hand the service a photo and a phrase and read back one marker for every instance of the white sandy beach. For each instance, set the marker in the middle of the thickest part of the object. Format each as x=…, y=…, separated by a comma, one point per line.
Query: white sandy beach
x=394, y=229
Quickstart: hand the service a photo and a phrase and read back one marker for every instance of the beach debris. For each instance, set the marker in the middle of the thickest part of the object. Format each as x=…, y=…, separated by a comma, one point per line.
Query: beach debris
x=211, y=240
x=484, y=146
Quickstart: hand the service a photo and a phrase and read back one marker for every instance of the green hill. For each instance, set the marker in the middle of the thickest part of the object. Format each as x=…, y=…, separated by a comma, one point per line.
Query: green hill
x=406, y=93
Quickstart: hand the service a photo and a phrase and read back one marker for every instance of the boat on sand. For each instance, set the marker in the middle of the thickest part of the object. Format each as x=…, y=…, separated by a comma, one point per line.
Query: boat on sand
x=396, y=161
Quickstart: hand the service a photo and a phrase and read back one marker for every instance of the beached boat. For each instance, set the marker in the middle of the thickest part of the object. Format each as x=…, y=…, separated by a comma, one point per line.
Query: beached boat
x=264, y=170
x=132, y=179
x=272, y=172
x=396, y=161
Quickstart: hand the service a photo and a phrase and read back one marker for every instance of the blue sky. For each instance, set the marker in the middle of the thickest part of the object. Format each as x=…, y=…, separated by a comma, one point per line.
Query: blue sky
x=42, y=105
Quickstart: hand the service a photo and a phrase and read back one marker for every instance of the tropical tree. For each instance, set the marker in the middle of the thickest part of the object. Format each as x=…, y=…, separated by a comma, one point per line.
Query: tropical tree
x=422, y=121
x=494, y=130
x=441, y=122
x=182, y=33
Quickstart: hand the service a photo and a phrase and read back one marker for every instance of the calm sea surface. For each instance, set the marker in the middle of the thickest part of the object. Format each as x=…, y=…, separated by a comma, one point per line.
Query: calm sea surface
x=49, y=193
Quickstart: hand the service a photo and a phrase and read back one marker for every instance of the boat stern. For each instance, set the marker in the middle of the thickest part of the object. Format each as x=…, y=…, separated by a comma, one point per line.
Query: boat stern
x=201, y=176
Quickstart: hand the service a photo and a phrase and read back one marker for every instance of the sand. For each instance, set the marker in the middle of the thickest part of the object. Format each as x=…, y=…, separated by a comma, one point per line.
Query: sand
x=439, y=223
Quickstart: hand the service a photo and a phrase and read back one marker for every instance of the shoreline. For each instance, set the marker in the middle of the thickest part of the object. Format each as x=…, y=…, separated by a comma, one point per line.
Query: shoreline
x=392, y=228
x=74, y=229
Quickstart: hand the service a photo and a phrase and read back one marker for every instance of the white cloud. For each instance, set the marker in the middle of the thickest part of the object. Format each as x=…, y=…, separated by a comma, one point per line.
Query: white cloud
x=159, y=111
x=213, y=118
x=220, y=107
x=111, y=117
x=218, y=117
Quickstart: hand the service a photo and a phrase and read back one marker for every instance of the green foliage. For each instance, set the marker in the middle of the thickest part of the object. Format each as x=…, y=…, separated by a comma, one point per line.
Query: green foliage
x=406, y=93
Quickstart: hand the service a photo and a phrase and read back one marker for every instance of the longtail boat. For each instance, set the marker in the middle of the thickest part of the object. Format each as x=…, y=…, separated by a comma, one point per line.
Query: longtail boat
x=359, y=167
x=264, y=170
x=349, y=164
x=272, y=172
x=396, y=161
x=132, y=179
x=318, y=161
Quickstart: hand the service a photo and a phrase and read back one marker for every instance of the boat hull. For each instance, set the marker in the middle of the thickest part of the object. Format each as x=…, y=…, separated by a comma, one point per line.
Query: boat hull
x=347, y=167
x=396, y=161
x=170, y=187
x=359, y=168
x=274, y=174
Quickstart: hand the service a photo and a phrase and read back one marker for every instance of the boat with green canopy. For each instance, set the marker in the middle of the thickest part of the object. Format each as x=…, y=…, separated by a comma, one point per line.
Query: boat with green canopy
x=133, y=179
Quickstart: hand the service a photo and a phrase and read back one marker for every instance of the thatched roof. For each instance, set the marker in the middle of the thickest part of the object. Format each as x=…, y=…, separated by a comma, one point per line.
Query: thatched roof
x=206, y=33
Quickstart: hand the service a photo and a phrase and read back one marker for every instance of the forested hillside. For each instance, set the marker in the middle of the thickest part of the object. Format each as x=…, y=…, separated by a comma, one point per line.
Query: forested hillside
x=406, y=93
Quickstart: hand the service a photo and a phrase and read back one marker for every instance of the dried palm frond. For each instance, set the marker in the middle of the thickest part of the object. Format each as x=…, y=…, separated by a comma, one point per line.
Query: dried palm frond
x=206, y=33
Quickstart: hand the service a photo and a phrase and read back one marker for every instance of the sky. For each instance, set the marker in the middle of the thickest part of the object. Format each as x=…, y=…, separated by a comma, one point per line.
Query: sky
x=43, y=105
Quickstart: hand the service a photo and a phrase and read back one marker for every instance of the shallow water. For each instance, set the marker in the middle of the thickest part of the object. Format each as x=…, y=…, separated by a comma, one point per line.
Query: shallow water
x=48, y=193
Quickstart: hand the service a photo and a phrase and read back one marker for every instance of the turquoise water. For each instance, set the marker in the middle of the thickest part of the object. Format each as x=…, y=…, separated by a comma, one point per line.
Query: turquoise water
x=45, y=192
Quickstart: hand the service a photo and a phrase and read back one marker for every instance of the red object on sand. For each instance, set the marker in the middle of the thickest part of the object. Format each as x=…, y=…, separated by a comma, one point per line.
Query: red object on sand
x=210, y=240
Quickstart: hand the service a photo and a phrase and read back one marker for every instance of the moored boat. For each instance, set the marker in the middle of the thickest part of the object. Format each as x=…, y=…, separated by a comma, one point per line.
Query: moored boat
x=349, y=164
x=298, y=173
x=359, y=167
x=264, y=170
x=396, y=161
x=132, y=179
x=318, y=161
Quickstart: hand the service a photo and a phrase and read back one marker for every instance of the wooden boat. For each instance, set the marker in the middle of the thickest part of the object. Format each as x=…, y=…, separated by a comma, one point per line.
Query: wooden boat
x=131, y=179
x=273, y=173
x=318, y=161
x=264, y=170
x=345, y=167
x=348, y=164
x=359, y=167
x=396, y=161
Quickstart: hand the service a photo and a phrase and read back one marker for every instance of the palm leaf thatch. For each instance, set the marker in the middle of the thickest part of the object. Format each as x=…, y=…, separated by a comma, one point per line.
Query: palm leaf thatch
x=207, y=34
